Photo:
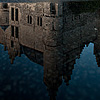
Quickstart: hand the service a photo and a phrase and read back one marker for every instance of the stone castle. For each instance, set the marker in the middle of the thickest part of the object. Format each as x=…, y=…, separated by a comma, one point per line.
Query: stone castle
x=49, y=34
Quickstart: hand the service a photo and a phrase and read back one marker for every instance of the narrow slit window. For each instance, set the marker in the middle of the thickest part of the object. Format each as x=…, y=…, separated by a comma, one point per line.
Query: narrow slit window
x=17, y=32
x=30, y=20
x=40, y=21
x=12, y=14
x=37, y=20
x=16, y=14
x=12, y=31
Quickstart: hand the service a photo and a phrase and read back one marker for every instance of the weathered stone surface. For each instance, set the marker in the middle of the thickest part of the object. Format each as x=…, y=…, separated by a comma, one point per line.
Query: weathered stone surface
x=42, y=29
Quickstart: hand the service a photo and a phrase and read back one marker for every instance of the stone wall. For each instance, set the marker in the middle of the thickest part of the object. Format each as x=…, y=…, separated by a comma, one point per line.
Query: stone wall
x=60, y=28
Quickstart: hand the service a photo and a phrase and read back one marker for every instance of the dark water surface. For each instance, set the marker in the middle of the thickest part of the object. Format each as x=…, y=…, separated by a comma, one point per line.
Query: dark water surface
x=24, y=79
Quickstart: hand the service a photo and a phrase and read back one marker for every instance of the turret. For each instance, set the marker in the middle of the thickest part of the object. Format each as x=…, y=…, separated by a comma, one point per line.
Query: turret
x=4, y=14
x=53, y=63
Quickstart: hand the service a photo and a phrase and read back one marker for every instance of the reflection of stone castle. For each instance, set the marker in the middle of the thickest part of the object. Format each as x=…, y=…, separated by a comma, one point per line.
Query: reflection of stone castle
x=4, y=15
x=48, y=34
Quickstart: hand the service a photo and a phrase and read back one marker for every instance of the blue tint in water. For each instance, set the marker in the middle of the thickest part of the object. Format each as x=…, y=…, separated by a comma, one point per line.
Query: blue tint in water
x=23, y=80
x=84, y=84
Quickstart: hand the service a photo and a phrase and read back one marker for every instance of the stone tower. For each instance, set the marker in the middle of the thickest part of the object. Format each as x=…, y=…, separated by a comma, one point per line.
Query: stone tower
x=4, y=14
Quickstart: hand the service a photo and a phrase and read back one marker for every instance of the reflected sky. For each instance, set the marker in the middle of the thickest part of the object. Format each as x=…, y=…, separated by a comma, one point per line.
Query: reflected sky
x=24, y=79
x=84, y=82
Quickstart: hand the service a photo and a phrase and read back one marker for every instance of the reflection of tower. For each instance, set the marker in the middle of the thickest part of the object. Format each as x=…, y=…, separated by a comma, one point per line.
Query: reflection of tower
x=67, y=72
x=44, y=30
x=69, y=61
x=4, y=21
x=53, y=62
x=4, y=14
x=14, y=49
x=53, y=53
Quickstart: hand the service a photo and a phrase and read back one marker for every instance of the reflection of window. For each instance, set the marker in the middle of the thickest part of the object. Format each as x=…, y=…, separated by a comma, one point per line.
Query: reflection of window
x=39, y=21
x=12, y=44
x=16, y=32
x=12, y=14
x=12, y=31
x=29, y=19
x=52, y=8
x=5, y=5
x=16, y=14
